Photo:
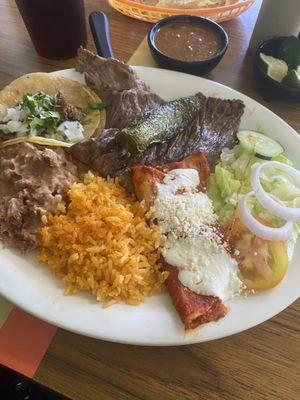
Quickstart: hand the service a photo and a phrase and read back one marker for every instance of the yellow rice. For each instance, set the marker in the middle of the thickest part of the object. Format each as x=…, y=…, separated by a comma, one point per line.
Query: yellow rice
x=101, y=243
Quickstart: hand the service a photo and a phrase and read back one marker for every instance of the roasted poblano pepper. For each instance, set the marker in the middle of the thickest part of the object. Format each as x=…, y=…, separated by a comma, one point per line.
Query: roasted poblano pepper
x=159, y=124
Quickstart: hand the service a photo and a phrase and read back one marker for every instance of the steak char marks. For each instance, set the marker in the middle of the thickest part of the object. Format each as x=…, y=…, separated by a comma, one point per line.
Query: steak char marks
x=214, y=128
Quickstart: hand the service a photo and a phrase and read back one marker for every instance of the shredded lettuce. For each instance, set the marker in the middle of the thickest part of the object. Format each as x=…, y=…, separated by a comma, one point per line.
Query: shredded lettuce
x=283, y=159
x=231, y=180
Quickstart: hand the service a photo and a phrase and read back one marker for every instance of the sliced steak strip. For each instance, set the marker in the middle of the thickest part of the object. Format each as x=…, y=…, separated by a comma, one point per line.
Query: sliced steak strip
x=126, y=106
x=106, y=74
x=215, y=128
x=128, y=97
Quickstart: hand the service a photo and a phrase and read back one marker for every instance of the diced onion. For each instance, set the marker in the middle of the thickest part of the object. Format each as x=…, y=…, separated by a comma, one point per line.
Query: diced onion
x=272, y=204
x=71, y=130
x=257, y=228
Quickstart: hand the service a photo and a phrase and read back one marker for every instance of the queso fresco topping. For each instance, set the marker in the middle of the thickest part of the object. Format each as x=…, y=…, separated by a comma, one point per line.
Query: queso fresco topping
x=193, y=244
x=40, y=114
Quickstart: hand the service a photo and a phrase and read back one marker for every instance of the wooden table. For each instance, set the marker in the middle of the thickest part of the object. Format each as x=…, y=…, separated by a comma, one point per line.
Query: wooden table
x=260, y=364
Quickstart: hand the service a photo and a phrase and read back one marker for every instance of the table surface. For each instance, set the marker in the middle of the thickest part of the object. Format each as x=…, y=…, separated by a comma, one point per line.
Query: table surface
x=262, y=363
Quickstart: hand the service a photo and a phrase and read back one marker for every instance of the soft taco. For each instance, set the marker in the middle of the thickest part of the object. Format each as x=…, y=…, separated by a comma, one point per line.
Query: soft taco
x=49, y=110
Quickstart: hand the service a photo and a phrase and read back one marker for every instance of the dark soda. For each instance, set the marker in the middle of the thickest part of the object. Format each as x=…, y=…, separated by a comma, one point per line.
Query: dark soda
x=56, y=27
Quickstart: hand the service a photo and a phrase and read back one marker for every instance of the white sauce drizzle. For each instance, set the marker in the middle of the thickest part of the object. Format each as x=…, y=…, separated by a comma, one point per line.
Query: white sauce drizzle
x=193, y=245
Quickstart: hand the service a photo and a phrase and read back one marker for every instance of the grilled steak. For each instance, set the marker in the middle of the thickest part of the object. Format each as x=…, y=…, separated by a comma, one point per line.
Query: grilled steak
x=126, y=106
x=106, y=74
x=214, y=128
x=67, y=111
x=159, y=124
x=128, y=97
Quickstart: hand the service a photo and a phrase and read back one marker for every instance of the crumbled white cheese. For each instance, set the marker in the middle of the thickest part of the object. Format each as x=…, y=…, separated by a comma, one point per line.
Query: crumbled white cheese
x=236, y=252
x=184, y=213
x=71, y=130
x=193, y=245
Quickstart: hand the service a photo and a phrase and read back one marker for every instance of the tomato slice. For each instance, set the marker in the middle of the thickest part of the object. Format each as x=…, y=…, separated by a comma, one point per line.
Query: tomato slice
x=262, y=263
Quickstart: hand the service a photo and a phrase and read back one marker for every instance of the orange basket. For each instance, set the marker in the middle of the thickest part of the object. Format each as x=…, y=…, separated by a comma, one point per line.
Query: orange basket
x=153, y=14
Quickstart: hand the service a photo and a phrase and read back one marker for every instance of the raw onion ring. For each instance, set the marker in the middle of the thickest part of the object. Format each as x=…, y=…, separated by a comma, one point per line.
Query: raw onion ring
x=257, y=228
x=266, y=199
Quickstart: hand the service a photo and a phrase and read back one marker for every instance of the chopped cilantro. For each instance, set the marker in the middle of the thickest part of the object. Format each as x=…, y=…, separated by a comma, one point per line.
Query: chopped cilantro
x=43, y=114
x=46, y=120
x=97, y=106
x=39, y=101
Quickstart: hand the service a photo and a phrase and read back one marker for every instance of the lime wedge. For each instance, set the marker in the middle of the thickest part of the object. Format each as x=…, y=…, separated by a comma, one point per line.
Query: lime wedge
x=292, y=78
x=289, y=51
x=273, y=67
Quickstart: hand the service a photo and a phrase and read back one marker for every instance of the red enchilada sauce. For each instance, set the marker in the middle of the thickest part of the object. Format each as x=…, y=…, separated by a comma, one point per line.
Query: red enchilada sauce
x=188, y=42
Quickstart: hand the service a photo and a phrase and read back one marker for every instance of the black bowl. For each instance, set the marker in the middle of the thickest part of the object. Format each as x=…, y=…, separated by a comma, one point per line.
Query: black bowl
x=194, y=67
x=268, y=87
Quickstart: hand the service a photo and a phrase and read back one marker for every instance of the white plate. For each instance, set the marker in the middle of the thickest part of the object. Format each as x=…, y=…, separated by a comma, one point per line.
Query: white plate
x=155, y=322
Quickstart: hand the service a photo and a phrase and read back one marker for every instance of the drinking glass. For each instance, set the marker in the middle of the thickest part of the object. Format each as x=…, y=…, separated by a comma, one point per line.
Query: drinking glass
x=56, y=27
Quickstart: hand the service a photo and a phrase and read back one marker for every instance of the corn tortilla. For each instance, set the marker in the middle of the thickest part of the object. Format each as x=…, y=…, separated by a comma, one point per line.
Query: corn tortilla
x=75, y=93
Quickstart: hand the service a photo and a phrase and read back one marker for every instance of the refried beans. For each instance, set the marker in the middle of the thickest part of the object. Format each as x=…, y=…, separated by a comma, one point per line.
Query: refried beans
x=33, y=179
x=188, y=41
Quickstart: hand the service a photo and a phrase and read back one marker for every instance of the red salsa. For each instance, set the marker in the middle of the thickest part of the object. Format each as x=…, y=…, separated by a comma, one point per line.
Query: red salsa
x=188, y=41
